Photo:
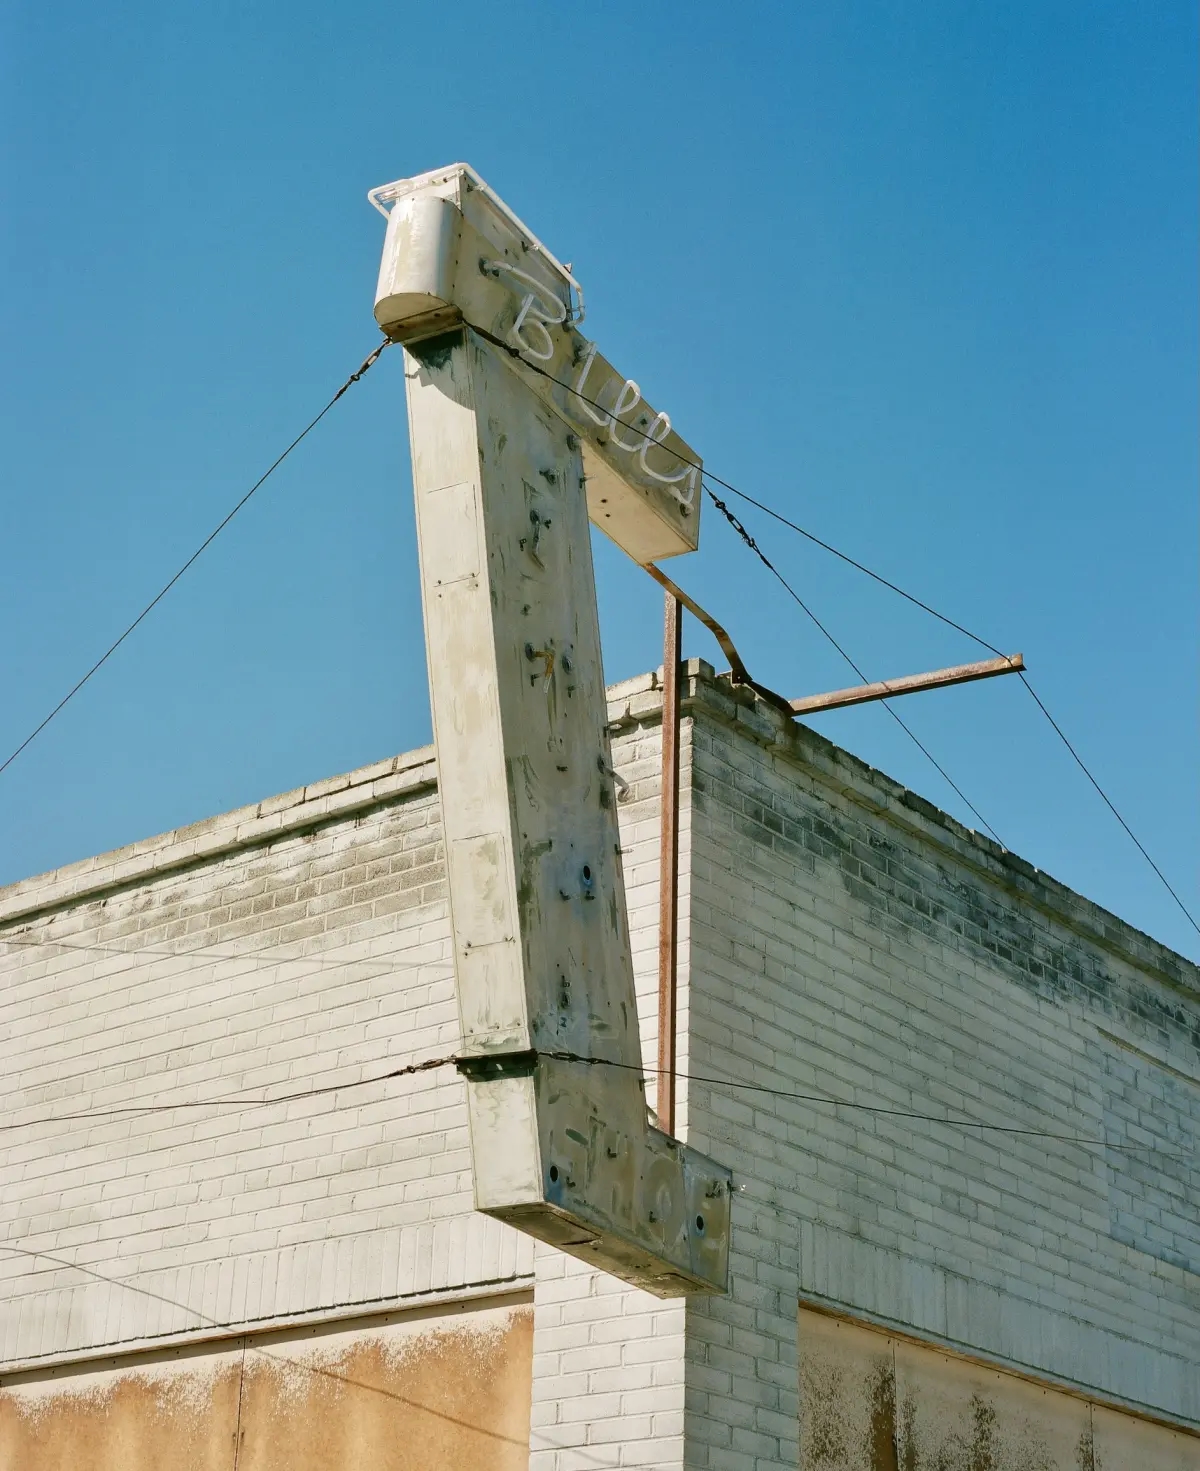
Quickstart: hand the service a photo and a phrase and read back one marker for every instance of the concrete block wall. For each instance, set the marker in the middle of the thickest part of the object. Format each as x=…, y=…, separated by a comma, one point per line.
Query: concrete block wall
x=848, y=941
x=301, y=944
x=840, y=938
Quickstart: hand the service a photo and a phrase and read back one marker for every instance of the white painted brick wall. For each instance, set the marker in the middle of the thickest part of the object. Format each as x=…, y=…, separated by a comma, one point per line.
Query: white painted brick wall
x=608, y=1371
x=608, y=1360
x=622, y=1379
x=839, y=938
x=317, y=958
x=299, y=944
x=847, y=941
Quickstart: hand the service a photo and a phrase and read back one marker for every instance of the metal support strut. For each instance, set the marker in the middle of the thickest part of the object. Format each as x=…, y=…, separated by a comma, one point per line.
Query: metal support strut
x=668, y=900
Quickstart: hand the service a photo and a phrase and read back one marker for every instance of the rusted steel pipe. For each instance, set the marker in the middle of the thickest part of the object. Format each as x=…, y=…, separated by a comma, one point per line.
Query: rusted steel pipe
x=738, y=670
x=885, y=689
x=668, y=874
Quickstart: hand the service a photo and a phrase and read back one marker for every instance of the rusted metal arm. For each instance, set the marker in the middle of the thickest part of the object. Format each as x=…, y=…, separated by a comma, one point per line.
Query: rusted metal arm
x=859, y=694
x=884, y=689
x=741, y=675
x=668, y=893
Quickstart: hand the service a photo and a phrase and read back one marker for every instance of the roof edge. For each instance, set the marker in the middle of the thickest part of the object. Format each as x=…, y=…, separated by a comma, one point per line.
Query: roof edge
x=636, y=701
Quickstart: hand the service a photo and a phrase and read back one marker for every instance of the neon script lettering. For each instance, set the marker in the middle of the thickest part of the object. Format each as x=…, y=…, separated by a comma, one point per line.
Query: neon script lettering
x=539, y=311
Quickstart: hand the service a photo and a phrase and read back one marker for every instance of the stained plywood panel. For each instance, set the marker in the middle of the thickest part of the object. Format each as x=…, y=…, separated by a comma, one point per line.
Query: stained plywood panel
x=959, y=1416
x=179, y=1416
x=870, y=1402
x=420, y=1395
x=847, y=1396
x=1123, y=1443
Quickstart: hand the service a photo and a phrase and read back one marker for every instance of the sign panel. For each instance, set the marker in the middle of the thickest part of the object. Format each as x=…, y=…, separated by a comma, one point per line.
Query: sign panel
x=454, y=253
x=562, y=1149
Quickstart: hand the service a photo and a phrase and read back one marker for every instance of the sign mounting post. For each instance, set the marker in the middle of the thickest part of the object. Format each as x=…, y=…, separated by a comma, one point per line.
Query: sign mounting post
x=520, y=433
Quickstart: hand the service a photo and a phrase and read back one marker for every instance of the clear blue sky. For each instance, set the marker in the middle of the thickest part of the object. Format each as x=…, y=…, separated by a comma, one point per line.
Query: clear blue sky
x=920, y=275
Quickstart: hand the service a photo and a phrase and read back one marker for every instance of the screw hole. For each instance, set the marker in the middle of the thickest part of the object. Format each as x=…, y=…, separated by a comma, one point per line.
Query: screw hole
x=554, y=1174
x=699, y=1223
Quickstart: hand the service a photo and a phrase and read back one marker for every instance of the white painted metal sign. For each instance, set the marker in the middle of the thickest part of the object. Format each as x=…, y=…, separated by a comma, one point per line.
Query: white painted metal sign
x=455, y=254
x=520, y=431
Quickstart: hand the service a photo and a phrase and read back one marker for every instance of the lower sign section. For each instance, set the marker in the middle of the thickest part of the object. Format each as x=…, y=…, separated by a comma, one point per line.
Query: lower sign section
x=612, y=1191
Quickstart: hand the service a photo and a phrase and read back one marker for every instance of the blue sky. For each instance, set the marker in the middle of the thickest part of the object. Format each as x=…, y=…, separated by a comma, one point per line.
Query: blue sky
x=921, y=276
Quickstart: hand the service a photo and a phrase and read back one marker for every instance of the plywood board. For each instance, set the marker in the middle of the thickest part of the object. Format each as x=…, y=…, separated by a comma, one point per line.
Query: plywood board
x=434, y=1393
x=874, y=1402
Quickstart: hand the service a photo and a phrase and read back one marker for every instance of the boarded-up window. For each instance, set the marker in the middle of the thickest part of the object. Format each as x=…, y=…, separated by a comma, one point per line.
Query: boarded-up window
x=432, y=1393
x=870, y=1402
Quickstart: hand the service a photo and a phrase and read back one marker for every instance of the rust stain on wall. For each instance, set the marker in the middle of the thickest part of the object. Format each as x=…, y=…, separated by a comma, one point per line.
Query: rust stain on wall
x=1085, y=1452
x=409, y=1397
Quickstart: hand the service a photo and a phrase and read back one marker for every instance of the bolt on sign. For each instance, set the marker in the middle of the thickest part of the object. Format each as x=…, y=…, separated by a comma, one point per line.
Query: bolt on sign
x=521, y=431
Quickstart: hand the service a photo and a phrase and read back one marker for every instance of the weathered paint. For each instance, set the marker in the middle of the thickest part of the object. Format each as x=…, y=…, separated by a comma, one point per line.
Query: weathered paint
x=454, y=253
x=872, y=1402
x=542, y=953
x=421, y=1395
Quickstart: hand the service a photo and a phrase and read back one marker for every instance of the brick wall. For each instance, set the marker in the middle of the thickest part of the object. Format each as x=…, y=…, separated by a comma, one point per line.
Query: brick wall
x=849, y=941
x=608, y=1360
x=697, y=1382
x=841, y=938
x=299, y=944
x=844, y=939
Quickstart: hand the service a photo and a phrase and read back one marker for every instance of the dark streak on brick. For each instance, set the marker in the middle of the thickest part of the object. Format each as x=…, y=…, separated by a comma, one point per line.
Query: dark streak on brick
x=948, y=907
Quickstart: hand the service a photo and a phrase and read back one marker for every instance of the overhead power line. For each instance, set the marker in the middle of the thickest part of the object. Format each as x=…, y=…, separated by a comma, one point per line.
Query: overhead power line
x=1109, y=804
x=850, y=561
x=984, y=643
x=871, y=1108
x=201, y=957
x=791, y=591
x=204, y=545
x=884, y=582
x=754, y=547
x=977, y=638
x=256, y=959
x=453, y=1059
x=733, y=490
x=229, y=1100
x=288, y=1363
